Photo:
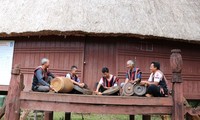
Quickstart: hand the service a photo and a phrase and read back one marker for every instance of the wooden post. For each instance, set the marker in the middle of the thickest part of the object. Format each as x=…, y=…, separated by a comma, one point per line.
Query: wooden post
x=177, y=88
x=132, y=117
x=12, y=101
x=67, y=116
x=146, y=117
x=48, y=115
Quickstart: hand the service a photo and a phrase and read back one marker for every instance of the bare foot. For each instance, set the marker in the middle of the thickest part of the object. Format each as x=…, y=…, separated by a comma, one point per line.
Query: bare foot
x=148, y=95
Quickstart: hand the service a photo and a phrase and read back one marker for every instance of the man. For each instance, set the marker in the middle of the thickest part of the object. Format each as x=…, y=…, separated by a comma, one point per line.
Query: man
x=74, y=77
x=42, y=77
x=108, y=80
x=133, y=74
x=156, y=84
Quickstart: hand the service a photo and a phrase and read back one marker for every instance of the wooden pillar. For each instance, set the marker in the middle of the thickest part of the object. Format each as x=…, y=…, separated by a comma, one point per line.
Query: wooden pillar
x=177, y=88
x=67, y=116
x=12, y=111
x=146, y=117
x=132, y=117
x=48, y=115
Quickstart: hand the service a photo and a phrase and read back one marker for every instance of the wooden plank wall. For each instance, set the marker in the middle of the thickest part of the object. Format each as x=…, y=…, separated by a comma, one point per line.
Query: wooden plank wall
x=99, y=52
x=62, y=55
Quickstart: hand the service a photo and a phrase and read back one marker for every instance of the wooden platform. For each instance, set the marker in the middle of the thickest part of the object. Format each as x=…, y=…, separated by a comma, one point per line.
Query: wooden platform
x=18, y=99
x=95, y=104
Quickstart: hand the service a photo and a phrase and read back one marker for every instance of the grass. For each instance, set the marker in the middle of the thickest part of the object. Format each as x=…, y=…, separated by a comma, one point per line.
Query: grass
x=74, y=116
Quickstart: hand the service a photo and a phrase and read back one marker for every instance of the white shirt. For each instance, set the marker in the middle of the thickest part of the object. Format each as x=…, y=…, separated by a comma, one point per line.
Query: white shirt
x=68, y=76
x=156, y=77
x=101, y=80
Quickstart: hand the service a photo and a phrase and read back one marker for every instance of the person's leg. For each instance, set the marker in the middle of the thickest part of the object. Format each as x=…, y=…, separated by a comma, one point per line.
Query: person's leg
x=153, y=90
x=43, y=89
x=49, y=79
x=101, y=89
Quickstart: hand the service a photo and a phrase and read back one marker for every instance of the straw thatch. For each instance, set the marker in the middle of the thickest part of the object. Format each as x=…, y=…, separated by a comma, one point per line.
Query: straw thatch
x=179, y=19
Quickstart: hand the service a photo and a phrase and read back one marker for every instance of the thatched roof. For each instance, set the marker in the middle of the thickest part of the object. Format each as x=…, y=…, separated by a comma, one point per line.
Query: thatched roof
x=179, y=19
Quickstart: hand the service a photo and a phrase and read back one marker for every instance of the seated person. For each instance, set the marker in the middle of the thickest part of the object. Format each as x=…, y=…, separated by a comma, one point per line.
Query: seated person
x=42, y=77
x=108, y=80
x=156, y=84
x=74, y=77
x=133, y=74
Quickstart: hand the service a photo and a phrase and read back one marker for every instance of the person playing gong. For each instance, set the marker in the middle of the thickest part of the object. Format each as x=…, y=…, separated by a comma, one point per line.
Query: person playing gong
x=107, y=81
x=133, y=75
x=157, y=83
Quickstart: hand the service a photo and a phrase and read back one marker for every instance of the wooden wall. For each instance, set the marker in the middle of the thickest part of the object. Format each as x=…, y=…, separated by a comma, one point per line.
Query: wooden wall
x=62, y=55
x=90, y=54
x=99, y=52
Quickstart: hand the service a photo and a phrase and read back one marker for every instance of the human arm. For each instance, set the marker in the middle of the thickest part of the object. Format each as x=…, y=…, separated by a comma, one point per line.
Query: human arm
x=147, y=83
x=98, y=86
x=74, y=82
x=153, y=79
x=127, y=78
x=51, y=74
x=138, y=78
x=77, y=83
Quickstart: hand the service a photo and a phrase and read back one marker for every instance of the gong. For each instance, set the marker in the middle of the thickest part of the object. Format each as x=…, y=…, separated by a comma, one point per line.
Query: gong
x=128, y=89
x=111, y=90
x=139, y=90
x=83, y=90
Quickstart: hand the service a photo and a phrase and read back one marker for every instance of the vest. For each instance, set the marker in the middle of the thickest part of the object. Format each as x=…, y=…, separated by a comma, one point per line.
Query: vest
x=162, y=83
x=110, y=83
x=131, y=74
x=44, y=74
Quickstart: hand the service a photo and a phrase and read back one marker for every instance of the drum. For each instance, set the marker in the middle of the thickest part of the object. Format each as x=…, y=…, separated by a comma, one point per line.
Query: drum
x=140, y=90
x=112, y=91
x=62, y=84
x=84, y=90
x=128, y=89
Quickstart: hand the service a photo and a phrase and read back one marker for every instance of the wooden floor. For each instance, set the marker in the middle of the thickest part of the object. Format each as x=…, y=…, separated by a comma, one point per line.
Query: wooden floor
x=96, y=104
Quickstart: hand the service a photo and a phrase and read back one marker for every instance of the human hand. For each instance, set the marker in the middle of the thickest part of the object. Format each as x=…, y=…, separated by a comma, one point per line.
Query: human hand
x=144, y=83
x=51, y=88
x=162, y=91
x=81, y=85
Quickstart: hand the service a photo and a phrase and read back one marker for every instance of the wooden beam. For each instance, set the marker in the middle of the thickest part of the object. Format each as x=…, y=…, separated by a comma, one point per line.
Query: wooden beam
x=4, y=87
x=12, y=100
x=48, y=115
x=146, y=117
x=94, y=99
x=192, y=111
x=190, y=96
x=67, y=116
x=90, y=108
x=131, y=117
